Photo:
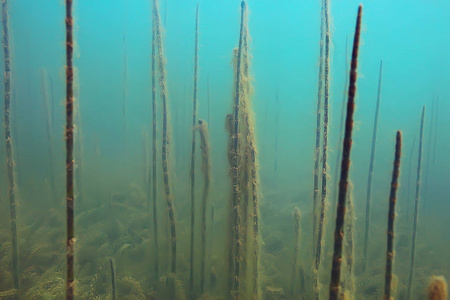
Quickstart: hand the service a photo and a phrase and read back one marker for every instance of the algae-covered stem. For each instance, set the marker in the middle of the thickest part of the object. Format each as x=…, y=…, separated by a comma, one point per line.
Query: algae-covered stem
x=192, y=171
x=206, y=170
x=165, y=137
x=326, y=73
x=9, y=148
x=153, y=176
x=235, y=160
x=416, y=206
x=113, y=278
x=318, y=130
x=371, y=165
x=345, y=166
x=69, y=152
x=391, y=217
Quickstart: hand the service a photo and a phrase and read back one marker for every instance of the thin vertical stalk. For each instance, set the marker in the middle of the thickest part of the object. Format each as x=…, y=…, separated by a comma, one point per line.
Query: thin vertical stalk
x=206, y=170
x=416, y=206
x=391, y=217
x=318, y=130
x=48, y=111
x=235, y=161
x=297, y=228
x=113, y=278
x=277, y=116
x=436, y=129
x=325, y=134
x=125, y=84
x=371, y=166
x=70, y=199
x=9, y=147
x=153, y=177
x=429, y=150
x=209, y=101
x=345, y=167
x=165, y=137
x=409, y=177
x=192, y=171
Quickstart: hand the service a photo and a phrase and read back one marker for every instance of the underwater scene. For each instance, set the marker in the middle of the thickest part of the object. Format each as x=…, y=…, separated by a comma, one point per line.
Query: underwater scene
x=225, y=149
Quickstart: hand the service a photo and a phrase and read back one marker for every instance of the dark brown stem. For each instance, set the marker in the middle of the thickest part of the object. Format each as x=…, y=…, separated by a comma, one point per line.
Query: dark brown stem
x=70, y=199
x=391, y=217
x=345, y=166
x=9, y=148
x=371, y=165
x=416, y=206
x=165, y=137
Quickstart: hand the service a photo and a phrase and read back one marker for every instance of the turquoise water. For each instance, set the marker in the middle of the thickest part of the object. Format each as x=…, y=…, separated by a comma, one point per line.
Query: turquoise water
x=113, y=144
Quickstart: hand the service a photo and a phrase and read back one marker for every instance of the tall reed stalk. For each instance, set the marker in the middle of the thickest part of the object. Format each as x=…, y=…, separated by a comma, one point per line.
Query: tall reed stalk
x=326, y=73
x=113, y=278
x=409, y=178
x=153, y=177
x=416, y=207
x=9, y=146
x=48, y=112
x=236, y=220
x=345, y=167
x=206, y=170
x=391, y=217
x=165, y=136
x=371, y=166
x=70, y=199
x=192, y=171
x=318, y=130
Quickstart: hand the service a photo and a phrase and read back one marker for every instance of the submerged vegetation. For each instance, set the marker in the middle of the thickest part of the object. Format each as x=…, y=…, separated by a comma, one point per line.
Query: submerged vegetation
x=182, y=233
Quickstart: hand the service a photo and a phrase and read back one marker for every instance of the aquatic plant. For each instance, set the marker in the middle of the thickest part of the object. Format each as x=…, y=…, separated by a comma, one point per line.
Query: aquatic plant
x=326, y=73
x=165, y=137
x=48, y=112
x=206, y=170
x=113, y=278
x=297, y=228
x=153, y=176
x=345, y=166
x=236, y=220
x=70, y=198
x=391, y=217
x=348, y=280
x=416, y=206
x=409, y=177
x=437, y=289
x=192, y=171
x=9, y=147
x=371, y=166
x=318, y=131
